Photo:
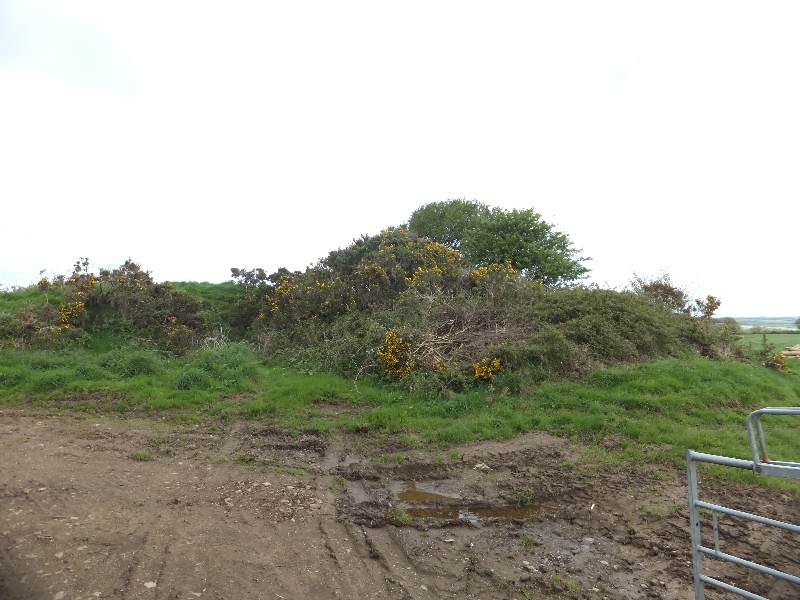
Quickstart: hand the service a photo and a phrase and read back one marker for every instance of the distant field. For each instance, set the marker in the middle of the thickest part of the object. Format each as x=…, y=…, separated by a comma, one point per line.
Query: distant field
x=781, y=340
x=779, y=322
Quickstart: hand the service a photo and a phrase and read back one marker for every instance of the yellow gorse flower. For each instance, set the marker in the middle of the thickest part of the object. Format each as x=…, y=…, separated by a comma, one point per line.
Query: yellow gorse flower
x=71, y=313
x=396, y=356
x=487, y=368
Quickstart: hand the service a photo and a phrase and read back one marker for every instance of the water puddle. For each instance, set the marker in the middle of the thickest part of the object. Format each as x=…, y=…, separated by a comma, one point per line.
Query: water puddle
x=411, y=493
x=357, y=491
x=411, y=497
x=473, y=513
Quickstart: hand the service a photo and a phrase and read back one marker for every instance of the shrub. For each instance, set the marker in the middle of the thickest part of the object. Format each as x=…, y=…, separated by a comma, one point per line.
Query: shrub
x=447, y=326
x=10, y=327
x=732, y=325
x=661, y=289
x=772, y=360
x=395, y=352
x=370, y=274
x=487, y=368
x=192, y=379
x=122, y=301
x=140, y=363
x=776, y=361
x=89, y=372
x=12, y=377
x=40, y=323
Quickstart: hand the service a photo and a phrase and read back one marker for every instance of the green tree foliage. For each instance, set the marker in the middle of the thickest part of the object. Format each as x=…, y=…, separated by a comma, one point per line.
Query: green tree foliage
x=447, y=222
x=731, y=323
x=487, y=236
x=661, y=289
x=522, y=238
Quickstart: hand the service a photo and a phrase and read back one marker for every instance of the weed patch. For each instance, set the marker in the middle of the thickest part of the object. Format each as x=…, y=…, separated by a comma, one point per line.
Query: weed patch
x=141, y=456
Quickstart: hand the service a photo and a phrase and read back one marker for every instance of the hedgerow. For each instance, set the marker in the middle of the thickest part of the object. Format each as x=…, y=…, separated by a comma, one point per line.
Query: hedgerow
x=412, y=311
x=394, y=306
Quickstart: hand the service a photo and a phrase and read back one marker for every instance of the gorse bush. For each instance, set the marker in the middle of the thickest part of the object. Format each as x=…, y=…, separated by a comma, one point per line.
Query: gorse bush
x=487, y=368
x=123, y=299
x=772, y=359
x=395, y=307
x=395, y=352
x=412, y=311
x=374, y=272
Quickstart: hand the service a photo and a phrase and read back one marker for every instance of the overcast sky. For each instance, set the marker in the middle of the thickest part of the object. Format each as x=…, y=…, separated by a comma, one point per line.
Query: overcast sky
x=198, y=136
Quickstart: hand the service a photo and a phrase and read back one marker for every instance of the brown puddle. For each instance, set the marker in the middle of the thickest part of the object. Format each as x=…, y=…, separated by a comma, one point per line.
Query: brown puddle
x=411, y=495
x=473, y=513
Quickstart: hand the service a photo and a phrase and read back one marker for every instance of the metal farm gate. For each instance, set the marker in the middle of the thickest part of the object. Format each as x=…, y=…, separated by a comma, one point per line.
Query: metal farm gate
x=760, y=465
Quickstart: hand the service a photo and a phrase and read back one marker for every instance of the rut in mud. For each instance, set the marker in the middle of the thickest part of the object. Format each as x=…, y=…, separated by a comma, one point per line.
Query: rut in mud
x=252, y=512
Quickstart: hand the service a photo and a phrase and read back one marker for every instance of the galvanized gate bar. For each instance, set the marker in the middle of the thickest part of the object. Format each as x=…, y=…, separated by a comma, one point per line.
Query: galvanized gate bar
x=760, y=465
x=749, y=516
x=730, y=588
x=758, y=445
x=725, y=461
x=746, y=563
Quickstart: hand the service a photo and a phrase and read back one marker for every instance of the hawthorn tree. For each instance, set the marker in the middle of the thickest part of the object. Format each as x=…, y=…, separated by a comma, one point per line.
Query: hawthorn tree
x=487, y=236
x=447, y=222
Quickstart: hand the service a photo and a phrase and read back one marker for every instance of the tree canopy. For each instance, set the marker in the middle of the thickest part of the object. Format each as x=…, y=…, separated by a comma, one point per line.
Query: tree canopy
x=447, y=222
x=487, y=236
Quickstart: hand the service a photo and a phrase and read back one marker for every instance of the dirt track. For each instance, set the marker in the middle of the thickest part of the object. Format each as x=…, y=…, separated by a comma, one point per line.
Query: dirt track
x=249, y=512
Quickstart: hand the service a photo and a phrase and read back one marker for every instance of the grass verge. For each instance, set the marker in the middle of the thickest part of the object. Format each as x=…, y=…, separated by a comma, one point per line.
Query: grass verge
x=653, y=411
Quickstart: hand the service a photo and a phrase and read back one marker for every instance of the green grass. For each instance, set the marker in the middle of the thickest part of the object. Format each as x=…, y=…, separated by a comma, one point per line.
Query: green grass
x=781, y=340
x=224, y=383
x=13, y=301
x=754, y=343
x=401, y=513
x=219, y=301
x=214, y=294
x=656, y=409
x=141, y=456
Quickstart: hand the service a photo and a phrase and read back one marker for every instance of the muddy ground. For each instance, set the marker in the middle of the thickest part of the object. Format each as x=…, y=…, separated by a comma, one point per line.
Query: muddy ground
x=96, y=507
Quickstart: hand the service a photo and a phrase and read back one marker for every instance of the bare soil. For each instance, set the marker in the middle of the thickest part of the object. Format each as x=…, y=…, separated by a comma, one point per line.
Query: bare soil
x=244, y=511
